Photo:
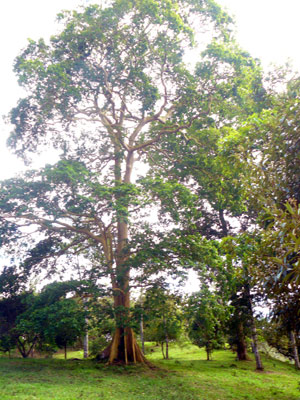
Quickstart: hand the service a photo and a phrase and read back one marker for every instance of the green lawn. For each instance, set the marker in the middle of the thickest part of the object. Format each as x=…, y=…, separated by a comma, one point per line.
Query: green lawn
x=185, y=376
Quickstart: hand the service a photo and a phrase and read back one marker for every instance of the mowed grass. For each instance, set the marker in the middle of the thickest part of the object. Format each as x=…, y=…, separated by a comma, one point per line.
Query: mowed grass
x=186, y=376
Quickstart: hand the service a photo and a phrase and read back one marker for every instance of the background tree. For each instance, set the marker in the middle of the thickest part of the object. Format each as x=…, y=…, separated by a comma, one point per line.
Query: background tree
x=286, y=312
x=163, y=317
x=207, y=161
x=207, y=316
x=239, y=252
x=278, y=252
x=206, y=158
x=276, y=335
x=274, y=141
x=11, y=336
x=53, y=318
x=273, y=188
x=277, y=273
x=274, y=197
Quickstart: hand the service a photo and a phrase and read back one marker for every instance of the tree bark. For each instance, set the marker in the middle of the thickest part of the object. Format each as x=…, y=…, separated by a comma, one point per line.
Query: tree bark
x=142, y=333
x=259, y=365
x=207, y=354
x=223, y=223
x=86, y=345
x=124, y=347
x=162, y=350
x=86, y=333
x=166, y=337
x=167, y=348
x=294, y=349
x=22, y=348
x=241, y=343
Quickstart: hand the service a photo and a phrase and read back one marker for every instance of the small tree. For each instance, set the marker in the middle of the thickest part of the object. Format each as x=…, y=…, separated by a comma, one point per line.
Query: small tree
x=163, y=317
x=51, y=318
x=11, y=335
x=207, y=316
x=66, y=323
x=239, y=251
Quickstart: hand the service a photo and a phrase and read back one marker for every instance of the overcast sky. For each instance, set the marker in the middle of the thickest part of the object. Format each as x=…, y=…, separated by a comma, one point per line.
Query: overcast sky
x=268, y=29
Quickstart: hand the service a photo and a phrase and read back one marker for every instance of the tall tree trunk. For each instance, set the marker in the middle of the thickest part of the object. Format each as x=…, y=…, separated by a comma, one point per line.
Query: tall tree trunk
x=259, y=365
x=142, y=333
x=167, y=348
x=86, y=333
x=162, y=350
x=223, y=223
x=207, y=353
x=86, y=345
x=166, y=337
x=65, y=347
x=241, y=343
x=124, y=347
x=294, y=348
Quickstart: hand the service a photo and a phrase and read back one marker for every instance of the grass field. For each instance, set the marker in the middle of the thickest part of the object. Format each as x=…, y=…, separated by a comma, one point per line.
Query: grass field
x=186, y=376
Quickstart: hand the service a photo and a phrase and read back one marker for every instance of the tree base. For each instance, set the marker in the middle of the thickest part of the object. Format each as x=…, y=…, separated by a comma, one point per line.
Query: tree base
x=260, y=369
x=123, y=350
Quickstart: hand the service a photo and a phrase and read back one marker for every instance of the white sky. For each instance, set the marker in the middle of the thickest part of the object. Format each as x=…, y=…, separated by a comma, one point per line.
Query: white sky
x=268, y=29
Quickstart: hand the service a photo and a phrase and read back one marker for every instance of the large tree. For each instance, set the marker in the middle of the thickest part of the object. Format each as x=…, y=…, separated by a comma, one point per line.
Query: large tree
x=104, y=90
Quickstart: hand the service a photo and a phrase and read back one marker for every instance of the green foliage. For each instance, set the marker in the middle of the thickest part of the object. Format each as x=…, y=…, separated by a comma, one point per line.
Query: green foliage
x=238, y=78
x=278, y=251
x=59, y=323
x=12, y=282
x=174, y=199
x=274, y=138
x=207, y=316
x=7, y=342
x=110, y=88
x=100, y=49
x=97, y=344
x=162, y=316
x=46, y=320
x=11, y=308
x=275, y=335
